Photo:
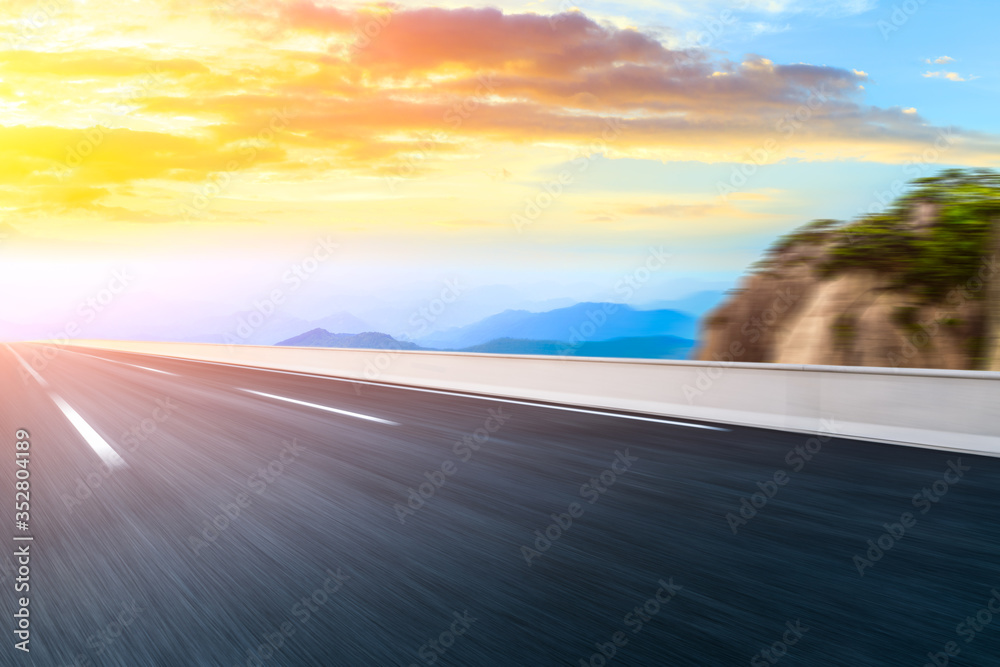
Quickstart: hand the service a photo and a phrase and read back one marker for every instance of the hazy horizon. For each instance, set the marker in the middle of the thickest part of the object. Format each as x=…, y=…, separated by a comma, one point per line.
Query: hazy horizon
x=541, y=147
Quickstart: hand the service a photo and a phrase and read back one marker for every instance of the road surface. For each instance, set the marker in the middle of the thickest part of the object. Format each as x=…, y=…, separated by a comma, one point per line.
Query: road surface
x=187, y=513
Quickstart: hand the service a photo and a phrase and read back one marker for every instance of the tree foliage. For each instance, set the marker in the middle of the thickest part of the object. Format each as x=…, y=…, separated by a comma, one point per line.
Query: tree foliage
x=933, y=261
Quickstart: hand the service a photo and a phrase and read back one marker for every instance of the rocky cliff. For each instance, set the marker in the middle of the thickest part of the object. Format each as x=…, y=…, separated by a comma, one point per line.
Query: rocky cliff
x=915, y=286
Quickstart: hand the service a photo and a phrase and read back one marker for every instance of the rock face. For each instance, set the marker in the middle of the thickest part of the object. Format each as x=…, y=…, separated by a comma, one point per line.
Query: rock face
x=918, y=287
x=856, y=319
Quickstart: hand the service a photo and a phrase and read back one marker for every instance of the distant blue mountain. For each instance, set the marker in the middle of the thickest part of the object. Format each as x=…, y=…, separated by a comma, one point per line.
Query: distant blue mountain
x=343, y=322
x=641, y=347
x=646, y=347
x=696, y=304
x=584, y=322
x=370, y=340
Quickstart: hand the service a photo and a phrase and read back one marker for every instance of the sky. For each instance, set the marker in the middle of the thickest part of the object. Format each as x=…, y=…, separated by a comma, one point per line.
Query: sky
x=208, y=148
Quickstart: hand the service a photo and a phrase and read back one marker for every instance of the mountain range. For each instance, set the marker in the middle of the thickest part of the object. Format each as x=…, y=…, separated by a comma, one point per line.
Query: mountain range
x=580, y=323
x=370, y=340
x=585, y=329
x=643, y=347
x=537, y=317
x=640, y=347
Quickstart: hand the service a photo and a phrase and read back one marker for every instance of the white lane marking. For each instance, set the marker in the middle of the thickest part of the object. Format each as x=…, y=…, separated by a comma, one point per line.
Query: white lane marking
x=145, y=368
x=611, y=414
x=99, y=444
x=92, y=437
x=453, y=393
x=24, y=363
x=475, y=396
x=322, y=407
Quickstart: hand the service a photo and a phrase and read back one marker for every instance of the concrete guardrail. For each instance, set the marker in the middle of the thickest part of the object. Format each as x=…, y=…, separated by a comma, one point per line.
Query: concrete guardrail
x=955, y=410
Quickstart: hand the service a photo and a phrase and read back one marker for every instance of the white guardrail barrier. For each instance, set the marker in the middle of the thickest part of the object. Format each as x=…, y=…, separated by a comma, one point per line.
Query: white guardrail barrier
x=956, y=410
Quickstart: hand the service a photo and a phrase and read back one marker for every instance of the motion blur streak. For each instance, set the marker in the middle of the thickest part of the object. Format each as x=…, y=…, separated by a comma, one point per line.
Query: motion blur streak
x=322, y=407
x=316, y=569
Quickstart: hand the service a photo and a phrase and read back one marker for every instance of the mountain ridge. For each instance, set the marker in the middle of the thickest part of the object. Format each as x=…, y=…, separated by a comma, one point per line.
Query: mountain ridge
x=914, y=286
x=585, y=321
x=634, y=347
x=370, y=340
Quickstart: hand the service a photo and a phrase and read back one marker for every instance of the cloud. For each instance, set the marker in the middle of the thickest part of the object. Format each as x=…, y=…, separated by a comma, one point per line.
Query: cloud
x=827, y=8
x=8, y=232
x=943, y=60
x=688, y=211
x=91, y=63
x=759, y=28
x=950, y=76
x=366, y=90
x=53, y=169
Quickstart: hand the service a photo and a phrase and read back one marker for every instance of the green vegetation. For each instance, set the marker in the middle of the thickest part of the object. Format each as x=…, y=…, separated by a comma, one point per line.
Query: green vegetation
x=845, y=328
x=975, y=349
x=813, y=233
x=931, y=261
x=905, y=317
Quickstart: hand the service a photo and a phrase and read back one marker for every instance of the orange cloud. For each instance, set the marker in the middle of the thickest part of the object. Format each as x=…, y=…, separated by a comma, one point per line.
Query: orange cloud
x=368, y=90
x=94, y=63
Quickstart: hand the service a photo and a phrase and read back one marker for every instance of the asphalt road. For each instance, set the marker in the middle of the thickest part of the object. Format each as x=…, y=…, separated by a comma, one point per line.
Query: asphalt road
x=321, y=561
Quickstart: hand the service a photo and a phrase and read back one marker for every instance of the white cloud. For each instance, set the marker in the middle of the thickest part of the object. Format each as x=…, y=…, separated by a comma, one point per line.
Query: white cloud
x=822, y=7
x=698, y=11
x=762, y=28
x=943, y=60
x=951, y=76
